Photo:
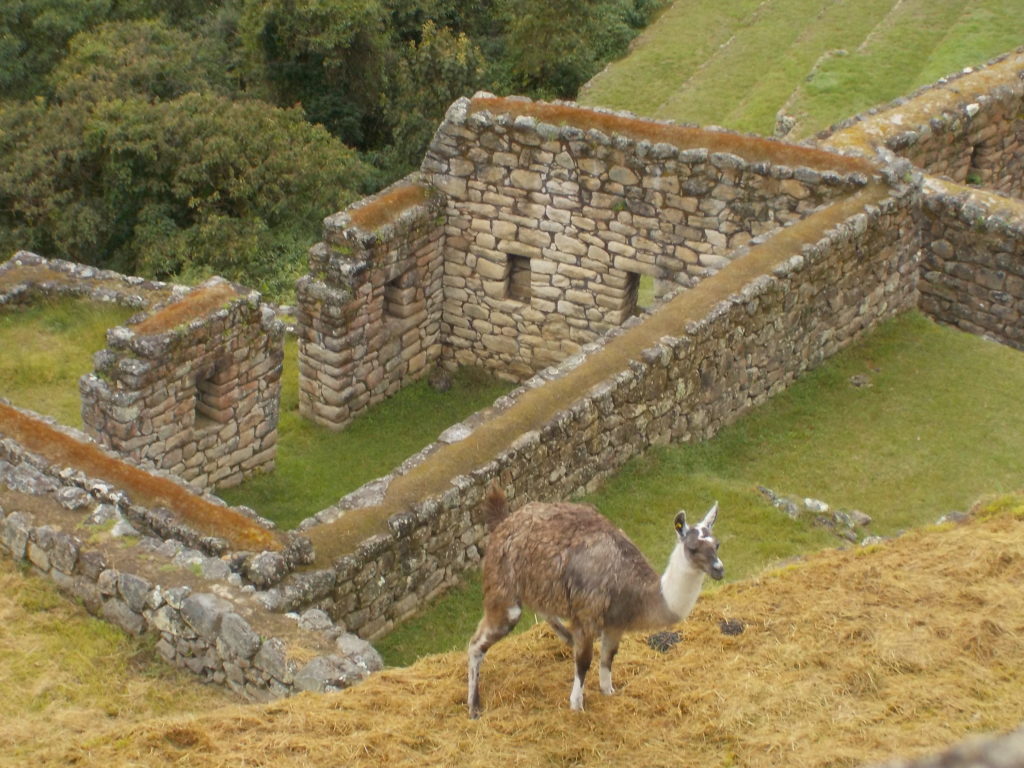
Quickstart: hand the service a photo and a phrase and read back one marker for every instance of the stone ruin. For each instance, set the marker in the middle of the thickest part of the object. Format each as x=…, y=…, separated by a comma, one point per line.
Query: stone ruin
x=519, y=246
x=194, y=388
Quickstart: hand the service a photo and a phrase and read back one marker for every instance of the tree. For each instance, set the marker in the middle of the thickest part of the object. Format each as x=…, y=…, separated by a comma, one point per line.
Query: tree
x=554, y=46
x=327, y=56
x=427, y=77
x=33, y=38
x=186, y=187
x=143, y=58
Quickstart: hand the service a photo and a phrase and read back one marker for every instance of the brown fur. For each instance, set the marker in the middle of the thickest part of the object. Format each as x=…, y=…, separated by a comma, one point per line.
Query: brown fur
x=566, y=561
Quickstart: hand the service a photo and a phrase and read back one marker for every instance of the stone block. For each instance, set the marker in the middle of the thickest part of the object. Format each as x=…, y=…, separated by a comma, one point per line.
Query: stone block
x=118, y=612
x=204, y=612
x=238, y=637
x=526, y=180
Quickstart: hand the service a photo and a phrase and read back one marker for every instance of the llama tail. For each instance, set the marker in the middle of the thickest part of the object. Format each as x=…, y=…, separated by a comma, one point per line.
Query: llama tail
x=495, y=506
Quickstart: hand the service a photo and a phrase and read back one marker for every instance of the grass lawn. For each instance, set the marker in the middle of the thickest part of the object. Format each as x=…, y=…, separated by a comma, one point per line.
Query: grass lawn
x=818, y=61
x=316, y=467
x=935, y=423
x=47, y=347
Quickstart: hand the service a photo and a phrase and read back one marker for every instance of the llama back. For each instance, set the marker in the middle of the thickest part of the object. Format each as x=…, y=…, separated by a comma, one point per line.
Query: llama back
x=568, y=560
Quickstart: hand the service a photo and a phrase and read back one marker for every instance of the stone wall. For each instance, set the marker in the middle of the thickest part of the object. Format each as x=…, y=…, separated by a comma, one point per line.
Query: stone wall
x=369, y=311
x=780, y=255
x=552, y=222
x=27, y=276
x=972, y=275
x=194, y=388
x=690, y=367
x=963, y=129
x=966, y=127
x=96, y=543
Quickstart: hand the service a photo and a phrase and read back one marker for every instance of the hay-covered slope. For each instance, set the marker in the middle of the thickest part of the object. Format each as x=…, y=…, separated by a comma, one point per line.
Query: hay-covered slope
x=849, y=658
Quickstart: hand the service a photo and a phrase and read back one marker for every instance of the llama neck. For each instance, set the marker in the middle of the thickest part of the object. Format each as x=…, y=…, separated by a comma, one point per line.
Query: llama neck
x=680, y=584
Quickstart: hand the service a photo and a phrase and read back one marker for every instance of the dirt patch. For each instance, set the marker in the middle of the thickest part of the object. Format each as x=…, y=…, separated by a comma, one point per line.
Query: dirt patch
x=852, y=657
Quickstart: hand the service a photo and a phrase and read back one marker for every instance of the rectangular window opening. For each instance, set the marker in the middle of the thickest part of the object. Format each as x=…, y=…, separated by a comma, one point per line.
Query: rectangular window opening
x=215, y=396
x=400, y=296
x=639, y=293
x=519, y=278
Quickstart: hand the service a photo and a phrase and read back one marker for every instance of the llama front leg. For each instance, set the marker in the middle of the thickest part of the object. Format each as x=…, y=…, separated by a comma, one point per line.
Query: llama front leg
x=609, y=647
x=493, y=626
x=583, y=647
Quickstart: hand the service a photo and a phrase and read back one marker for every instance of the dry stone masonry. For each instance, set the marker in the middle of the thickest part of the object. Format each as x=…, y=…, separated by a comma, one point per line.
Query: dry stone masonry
x=194, y=593
x=27, y=276
x=551, y=225
x=973, y=272
x=198, y=398
x=521, y=246
x=685, y=372
x=369, y=311
x=966, y=128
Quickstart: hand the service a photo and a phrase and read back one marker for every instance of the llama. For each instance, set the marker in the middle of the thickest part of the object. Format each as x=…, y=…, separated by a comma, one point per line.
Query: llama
x=568, y=562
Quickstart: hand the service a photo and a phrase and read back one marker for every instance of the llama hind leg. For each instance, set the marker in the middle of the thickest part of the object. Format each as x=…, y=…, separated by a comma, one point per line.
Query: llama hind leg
x=583, y=647
x=560, y=629
x=609, y=647
x=493, y=626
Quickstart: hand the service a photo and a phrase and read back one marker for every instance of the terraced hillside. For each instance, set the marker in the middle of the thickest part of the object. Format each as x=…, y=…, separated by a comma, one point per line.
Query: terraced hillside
x=739, y=64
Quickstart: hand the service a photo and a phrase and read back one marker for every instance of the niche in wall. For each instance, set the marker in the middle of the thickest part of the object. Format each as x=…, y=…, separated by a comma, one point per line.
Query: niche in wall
x=639, y=292
x=400, y=295
x=215, y=397
x=518, y=278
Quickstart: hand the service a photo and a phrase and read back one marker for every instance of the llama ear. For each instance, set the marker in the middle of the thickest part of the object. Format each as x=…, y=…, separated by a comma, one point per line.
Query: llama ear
x=680, y=524
x=711, y=516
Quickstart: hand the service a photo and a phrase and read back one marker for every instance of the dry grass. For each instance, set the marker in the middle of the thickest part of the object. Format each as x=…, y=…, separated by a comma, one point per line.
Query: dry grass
x=142, y=487
x=388, y=206
x=197, y=303
x=852, y=657
x=750, y=148
x=65, y=672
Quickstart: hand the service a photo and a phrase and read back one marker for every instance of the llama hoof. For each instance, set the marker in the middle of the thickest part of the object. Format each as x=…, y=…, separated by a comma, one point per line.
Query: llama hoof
x=609, y=690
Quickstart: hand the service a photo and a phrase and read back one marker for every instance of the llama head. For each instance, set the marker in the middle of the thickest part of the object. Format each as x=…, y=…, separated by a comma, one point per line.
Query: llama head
x=699, y=544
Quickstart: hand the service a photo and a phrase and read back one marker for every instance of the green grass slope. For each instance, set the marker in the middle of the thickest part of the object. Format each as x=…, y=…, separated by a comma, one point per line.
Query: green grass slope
x=316, y=466
x=817, y=60
x=915, y=421
x=46, y=348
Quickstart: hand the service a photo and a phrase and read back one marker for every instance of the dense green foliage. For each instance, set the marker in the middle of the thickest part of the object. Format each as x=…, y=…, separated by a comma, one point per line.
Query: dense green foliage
x=212, y=136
